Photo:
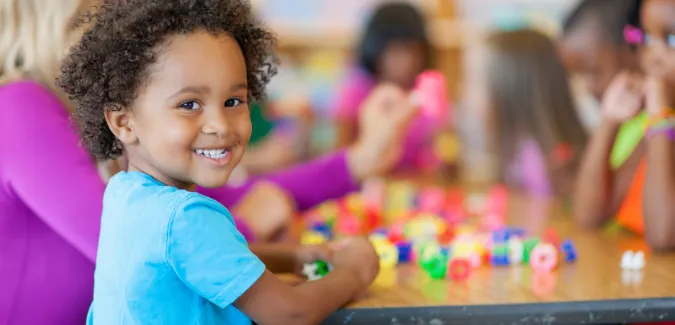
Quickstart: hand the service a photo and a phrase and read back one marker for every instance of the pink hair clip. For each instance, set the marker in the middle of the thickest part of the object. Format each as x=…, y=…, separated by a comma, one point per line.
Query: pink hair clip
x=633, y=35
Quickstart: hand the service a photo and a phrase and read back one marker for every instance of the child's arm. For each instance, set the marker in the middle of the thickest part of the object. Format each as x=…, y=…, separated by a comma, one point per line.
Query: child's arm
x=597, y=194
x=212, y=259
x=659, y=188
x=270, y=301
x=289, y=258
x=594, y=183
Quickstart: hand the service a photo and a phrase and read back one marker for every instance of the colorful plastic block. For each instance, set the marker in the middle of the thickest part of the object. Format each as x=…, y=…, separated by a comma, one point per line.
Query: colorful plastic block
x=404, y=251
x=633, y=260
x=528, y=246
x=313, y=238
x=427, y=251
x=396, y=232
x=516, y=250
x=349, y=224
x=436, y=267
x=323, y=228
x=551, y=237
x=569, y=251
x=430, y=93
x=460, y=269
x=544, y=258
x=431, y=200
x=499, y=260
x=500, y=236
x=316, y=270
x=387, y=252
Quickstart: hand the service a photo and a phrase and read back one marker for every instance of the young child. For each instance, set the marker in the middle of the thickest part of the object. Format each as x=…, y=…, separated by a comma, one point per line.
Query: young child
x=592, y=45
x=594, y=52
x=394, y=48
x=627, y=170
x=167, y=83
x=537, y=128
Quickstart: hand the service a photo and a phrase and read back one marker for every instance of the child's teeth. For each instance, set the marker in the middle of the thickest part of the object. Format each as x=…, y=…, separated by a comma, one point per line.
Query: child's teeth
x=218, y=153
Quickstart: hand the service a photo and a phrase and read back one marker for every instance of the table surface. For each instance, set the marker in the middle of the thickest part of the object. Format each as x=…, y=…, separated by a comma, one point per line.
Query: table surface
x=593, y=290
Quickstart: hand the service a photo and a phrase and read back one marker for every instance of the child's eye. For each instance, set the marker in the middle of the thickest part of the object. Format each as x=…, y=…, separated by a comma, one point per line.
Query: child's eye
x=190, y=105
x=670, y=40
x=233, y=102
x=648, y=39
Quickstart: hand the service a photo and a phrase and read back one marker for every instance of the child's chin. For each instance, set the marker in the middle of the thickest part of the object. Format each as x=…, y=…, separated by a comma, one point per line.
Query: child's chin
x=213, y=181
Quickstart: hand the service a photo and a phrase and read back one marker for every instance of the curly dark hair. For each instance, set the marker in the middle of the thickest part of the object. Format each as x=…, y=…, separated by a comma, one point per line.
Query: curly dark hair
x=115, y=55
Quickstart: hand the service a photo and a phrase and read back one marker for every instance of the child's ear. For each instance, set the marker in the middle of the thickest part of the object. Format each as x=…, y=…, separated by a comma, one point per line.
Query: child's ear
x=120, y=123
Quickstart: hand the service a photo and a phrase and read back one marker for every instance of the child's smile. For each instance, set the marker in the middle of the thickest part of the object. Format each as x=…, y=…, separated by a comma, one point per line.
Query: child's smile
x=190, y=122
x=219, y=157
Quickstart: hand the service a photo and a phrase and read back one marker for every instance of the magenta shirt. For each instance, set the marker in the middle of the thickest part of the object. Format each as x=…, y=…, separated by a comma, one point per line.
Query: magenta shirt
x=418, y=143
x=51, y=202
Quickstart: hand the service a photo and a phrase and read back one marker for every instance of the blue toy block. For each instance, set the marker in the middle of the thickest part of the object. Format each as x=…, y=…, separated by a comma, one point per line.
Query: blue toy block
x=569, y=251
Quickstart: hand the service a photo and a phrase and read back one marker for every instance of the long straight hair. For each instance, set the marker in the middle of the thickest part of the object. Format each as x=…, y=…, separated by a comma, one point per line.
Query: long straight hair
x=530, y=94
x=34, y=37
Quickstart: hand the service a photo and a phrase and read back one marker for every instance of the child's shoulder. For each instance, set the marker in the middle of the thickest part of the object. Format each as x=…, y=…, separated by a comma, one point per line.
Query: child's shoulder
x=142, y=190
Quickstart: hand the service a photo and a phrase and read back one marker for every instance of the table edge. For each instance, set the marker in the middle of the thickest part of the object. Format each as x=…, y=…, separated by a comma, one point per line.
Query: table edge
x=550, y=313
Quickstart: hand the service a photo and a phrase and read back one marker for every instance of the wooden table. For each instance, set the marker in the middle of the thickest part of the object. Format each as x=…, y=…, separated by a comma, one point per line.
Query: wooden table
x=594, y=290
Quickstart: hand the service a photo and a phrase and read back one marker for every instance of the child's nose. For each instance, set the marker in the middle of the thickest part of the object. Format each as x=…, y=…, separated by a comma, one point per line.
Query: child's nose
x=216, y=123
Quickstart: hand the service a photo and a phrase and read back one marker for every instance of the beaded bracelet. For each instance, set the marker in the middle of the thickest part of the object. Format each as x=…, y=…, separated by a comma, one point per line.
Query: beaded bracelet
x=663, y=125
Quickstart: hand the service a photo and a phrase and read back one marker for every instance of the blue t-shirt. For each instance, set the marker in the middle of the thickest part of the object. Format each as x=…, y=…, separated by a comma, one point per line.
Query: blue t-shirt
x=168, y=256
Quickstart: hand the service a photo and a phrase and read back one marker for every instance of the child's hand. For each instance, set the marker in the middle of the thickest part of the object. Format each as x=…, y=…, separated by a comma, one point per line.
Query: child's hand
x=623, y=98
x=383, y=119
x=267, y=210
x=655, y=96
x=311, y=253
x=357, y=255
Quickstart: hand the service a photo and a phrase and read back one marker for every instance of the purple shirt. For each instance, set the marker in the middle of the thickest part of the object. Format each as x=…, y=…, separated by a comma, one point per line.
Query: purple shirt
x=418, y=142
x=51, y=202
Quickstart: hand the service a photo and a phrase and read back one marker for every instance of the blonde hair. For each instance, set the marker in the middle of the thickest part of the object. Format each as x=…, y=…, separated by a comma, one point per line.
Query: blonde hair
x=34, y=37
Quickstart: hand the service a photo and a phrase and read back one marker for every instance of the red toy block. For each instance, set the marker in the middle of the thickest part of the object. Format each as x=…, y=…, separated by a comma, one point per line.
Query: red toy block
x=460, y=269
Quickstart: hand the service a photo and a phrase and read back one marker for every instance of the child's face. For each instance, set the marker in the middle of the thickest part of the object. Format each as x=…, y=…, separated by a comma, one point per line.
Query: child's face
x=658, y=53
x=194, y=100
x=401, y=62
x=586, y=54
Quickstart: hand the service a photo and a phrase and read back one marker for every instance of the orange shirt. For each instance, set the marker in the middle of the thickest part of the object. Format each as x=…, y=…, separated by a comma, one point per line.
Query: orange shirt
x=629, y=136
x=630, y=213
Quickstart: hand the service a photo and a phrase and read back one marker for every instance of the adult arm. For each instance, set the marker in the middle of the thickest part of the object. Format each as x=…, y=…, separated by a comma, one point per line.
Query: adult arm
x=309, y=184
x=45, y=167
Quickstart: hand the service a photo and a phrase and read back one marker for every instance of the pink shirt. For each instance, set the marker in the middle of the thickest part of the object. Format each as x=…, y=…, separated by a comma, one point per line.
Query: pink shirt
x=418, y=143
x=529, y=171
x=51, y=202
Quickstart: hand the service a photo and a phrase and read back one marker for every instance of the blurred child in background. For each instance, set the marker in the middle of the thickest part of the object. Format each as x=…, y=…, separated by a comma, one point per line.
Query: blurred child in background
x=627, y=170
x=592, y=44
x=394, y=48
x=537, y=129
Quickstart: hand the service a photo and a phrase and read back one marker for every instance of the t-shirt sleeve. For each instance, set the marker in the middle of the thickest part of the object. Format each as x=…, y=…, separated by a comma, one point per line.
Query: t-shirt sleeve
x=208, y=253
